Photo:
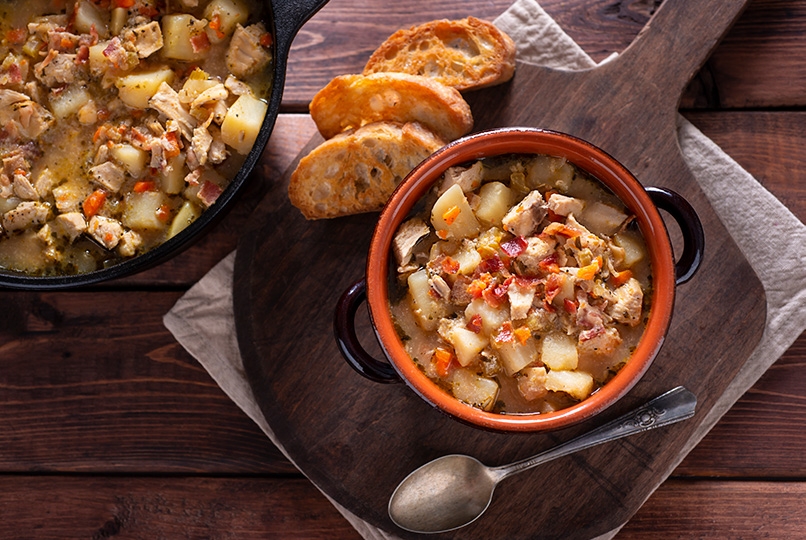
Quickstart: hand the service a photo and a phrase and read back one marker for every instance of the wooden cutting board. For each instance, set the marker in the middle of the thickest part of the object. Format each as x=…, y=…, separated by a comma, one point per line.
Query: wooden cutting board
x=356, y=440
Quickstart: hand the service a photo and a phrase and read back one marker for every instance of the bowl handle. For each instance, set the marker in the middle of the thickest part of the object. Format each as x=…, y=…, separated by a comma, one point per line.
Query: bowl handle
x=690, y=226
x=347, y=340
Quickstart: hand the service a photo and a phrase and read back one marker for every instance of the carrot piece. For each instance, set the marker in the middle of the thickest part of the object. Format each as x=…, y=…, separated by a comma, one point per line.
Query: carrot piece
x=522, y=333
x=451, y=214
x=444, y=358
x=93, y=203
x=620, y=278
x=144, y=185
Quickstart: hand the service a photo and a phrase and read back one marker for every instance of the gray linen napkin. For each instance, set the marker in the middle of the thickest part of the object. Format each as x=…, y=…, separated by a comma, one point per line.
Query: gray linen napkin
x=203, y=321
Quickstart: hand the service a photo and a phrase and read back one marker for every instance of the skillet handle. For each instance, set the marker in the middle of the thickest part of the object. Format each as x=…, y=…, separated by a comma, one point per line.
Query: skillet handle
x=289, y=16
x=347, y=340
x=690, y=226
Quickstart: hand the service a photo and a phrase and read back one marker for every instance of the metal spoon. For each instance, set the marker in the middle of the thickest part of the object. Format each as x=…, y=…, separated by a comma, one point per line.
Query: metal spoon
x=455, y=490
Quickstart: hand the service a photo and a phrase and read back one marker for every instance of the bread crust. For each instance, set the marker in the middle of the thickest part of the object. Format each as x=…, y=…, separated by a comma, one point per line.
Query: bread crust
x=466, y=54
x=356, y=171
x=352, y=101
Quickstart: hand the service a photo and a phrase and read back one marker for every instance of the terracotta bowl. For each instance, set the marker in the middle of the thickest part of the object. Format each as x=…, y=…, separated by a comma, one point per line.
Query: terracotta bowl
x=643, y=202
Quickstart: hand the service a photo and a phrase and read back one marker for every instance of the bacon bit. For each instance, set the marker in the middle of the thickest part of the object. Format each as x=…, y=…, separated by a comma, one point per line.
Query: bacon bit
x=14, y=74
x=549, y=265
x=450, y=266
x=215, y=25
x=443, y=234
x=103, y=115
x=16, y=36
x=570, y=305
x=522, y=333
x=209, y=193
x=617, y=279
x=514, y=247
x=477, y=286
x=491, y=264
x=83, y=55
x=144, y=185
x=495, y=295
x=451, y=214
x=443, y=361
x=588, y=272
x=93, y=203
x=266, y=40
x=164, y=213
x=504, y=334
x=200, y=42
x=474, y=324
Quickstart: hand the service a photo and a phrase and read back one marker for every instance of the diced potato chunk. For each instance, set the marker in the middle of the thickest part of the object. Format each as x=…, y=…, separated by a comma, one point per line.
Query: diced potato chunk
x=429, y=310
x=491, y=318
x=88, y=16
x=466, y=344
x=242, y=123
x=633, y=249
x=228, y=14
x=99, y=63
x=133, y=159
x=601, y=218
x=137, y=88
x=550, y=171
x=495, y=200
x=186, y=215
x=69, y=101
x=559, y=352
x=474, y=389
x=452, y=215
x=516, y=356
x=173, y=175
x=143, y=210
x=577, y=384
x=467, y=257
x=178, y=32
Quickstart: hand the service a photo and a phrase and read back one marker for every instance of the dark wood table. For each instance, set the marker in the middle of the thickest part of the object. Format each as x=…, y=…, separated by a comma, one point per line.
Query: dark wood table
x=109, y=428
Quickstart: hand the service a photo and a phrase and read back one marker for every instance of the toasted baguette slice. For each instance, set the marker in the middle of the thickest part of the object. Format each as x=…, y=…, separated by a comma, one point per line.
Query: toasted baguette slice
x=466, y=54
x=356, y=171
x=352, y=101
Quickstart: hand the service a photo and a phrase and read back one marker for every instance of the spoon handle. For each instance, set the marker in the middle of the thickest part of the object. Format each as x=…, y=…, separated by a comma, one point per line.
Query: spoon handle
x=673, y=406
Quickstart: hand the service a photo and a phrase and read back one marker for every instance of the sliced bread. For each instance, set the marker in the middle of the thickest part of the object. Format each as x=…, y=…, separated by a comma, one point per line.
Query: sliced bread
x=356, y=171
x=466, y=54
x=352, y=101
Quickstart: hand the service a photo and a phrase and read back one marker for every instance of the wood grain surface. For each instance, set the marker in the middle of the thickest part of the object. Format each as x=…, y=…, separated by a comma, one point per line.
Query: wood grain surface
x=628, y=107
x=114, y=431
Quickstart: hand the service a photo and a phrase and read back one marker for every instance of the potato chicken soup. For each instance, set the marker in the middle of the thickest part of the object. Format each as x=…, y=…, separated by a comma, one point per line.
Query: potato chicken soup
x=122, y=121
x=522, y=284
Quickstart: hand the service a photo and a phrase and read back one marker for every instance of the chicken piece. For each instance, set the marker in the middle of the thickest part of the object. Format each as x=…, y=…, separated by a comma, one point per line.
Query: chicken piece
x=599, y=341
x=525, y=217
x=238, y=88
x=537, y=249
x=70, y=225
x=409, y=233
x=200, y=144
x=21, y=117
x=105, y=230
x=122, y=54
x=468, y=178
x=218, y=149
x=218, y=92
x=147, y=38
x=533, y=383
x=246, y=55
x=25, y=214
x=563, y=206
x=129, y=243
x=629, y=301
x=166, y=101
x=108, y=175
x=23, y=188
x=58, y=69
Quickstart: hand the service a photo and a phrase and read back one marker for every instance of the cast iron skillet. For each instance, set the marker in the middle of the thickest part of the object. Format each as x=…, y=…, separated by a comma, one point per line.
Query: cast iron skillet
x=284, y=18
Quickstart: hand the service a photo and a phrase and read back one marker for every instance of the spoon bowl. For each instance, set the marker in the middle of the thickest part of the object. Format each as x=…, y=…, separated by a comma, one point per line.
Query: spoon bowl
x=455, y=490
